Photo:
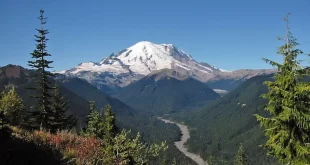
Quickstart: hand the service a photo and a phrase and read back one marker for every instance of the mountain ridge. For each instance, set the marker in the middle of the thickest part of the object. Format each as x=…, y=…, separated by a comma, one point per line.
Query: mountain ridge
x=166, y=91
x=133, y=63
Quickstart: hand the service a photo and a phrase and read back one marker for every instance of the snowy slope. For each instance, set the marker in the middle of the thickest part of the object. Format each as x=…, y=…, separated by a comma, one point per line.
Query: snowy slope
x=141, y=59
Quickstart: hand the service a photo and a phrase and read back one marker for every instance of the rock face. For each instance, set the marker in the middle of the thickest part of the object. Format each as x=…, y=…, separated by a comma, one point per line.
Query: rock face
x=131, y=64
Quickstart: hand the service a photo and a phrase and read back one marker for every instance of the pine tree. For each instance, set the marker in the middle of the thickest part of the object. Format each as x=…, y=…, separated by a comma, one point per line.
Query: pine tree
x=109, y=123
x=12, y=107
x=103, y=127
x=126, y=150
x=40, y=112
x=241, y=157
x=91, y=108
x=59, y=120
x=95, y=123
x=211, y=160
x=288, y=128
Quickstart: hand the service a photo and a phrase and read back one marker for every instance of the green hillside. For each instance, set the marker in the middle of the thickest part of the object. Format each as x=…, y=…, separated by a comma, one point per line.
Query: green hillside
x=79, y=92
x=19, y=77
x=166, y=91
x=219, y=128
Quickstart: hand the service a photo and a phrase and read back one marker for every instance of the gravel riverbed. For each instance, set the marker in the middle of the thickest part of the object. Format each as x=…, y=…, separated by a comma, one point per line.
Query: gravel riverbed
x=184, y=138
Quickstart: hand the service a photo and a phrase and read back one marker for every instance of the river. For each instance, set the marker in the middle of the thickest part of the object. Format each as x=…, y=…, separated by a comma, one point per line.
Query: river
x=180, y=144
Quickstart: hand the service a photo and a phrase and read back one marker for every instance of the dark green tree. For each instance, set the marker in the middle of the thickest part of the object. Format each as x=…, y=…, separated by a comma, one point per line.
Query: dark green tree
x=109, y=123
x=103, y=127
x=39, y=117
x=124, y=149
x=95, y=123
x=211, y=160
x=288, y=128
x=59, y=118
x=91, y=108
x=241, y=157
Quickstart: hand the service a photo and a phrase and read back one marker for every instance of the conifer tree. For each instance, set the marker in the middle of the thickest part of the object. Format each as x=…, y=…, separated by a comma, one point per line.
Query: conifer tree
x=91, y=108
x=59, y=118
x=95, y=123
x=127, y=150
x=109, y=123
x=210, y=160
x=288, y=128
x=103, y=127
x=12, y=107
x=42, y=85
x=241, y=157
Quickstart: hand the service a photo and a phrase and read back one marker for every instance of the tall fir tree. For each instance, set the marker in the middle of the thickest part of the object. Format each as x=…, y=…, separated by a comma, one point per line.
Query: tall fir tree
x=39, y=117
x=210, y=160
x=241, y=157
x=109, y=123
x=59, y=118
x=91, y=108
x=103, y=127
x=288, y=128
x=95, y=122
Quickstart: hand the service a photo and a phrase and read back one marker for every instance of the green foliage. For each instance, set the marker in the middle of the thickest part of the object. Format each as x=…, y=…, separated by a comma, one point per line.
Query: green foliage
x=103, y=127
x=45, y=107
x=174, y=162
x=39, y=118
x=78, y=91
x=109, y=123
x=118, y=148
x=211, y=160
x=241, y=157
x=95, y=125
x=219, y=128
x=126, y=150
x=288, y=128
x=59, y=120
x=11, y=107
x=162, y=93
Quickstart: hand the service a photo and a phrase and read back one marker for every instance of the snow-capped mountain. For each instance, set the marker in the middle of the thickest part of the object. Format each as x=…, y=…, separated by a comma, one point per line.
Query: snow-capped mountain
x=131, y=64
x=143, y=58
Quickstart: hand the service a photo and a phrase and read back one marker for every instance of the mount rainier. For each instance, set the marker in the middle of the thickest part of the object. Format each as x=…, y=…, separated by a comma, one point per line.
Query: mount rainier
x=131, y=64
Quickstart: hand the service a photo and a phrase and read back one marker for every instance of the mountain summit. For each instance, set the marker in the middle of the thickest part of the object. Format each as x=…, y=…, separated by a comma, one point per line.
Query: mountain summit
x=131, y=64
x=143, y=58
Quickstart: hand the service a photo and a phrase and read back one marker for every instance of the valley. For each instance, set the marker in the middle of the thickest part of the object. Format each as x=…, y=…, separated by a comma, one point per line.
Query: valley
x=180, y=144
x=154, y=83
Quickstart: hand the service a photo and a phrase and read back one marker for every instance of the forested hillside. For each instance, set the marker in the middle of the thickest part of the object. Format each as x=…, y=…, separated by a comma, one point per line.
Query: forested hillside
x=166, y=91
x=79, y=92
x=153, y=103
x=219, y=128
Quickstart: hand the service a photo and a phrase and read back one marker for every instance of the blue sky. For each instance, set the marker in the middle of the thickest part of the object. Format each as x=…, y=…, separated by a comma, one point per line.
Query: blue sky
x=224, y=33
